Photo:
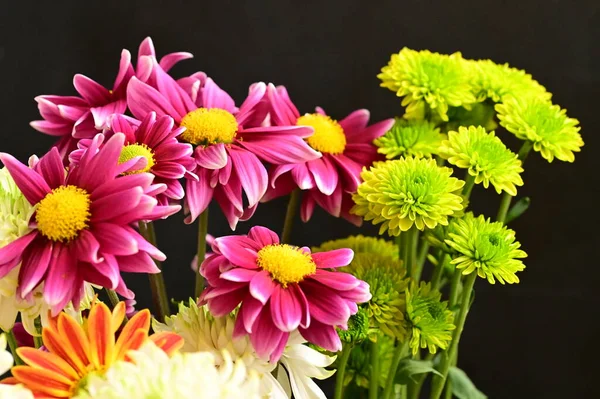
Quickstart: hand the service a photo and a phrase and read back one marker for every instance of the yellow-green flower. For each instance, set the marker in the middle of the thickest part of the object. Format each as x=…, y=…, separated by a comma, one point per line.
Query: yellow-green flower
x=359, y=328
x=485, y=157
x=487, y=248
x=500, y=81
x=551, y=132
x=406, y=192
x=429, y=319
x=478, y=114
x=361, y=244
x=419, y=138
x=428, y=81
x=387, y=282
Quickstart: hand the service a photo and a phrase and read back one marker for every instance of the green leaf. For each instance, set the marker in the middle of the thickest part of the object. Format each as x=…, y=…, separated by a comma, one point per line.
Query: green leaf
x=462, y=386
x=409, y=367
x=517, y=209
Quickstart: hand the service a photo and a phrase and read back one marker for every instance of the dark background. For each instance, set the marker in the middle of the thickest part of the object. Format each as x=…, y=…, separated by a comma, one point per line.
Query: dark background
x=536, y=339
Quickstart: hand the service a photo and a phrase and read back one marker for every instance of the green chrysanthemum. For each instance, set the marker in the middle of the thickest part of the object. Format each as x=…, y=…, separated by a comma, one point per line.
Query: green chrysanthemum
x=486, y=158
x=361, y=244
x=359, y=364
x=387, y=282
x=406, y=192
x=419, y=138
x=358, y=328
x=479, y=114
x=428, y=317
x=427, y=79
x=546, y=126
x=500, y=81
x=488, y=248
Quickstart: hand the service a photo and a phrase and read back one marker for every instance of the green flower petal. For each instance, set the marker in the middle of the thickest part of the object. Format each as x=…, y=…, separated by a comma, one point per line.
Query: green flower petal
x=417, y=138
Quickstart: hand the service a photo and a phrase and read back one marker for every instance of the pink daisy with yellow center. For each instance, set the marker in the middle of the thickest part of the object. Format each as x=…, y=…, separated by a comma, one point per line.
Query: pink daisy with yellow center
x=84, y=225
x=154, y=142
x=281, y=288
x=347, y=147
x=230, y=142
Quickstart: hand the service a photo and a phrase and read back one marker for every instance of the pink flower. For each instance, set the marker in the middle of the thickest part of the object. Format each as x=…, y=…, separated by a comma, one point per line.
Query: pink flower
x=347, y=147
x=72, y=118
x=281, y=288
x=155, y=142
x=83, y=228
x=230, y=142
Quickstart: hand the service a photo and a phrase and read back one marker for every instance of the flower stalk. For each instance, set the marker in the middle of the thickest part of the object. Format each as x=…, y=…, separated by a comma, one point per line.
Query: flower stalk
x=12, y=344
x=290, y=215
x=341, y=370
x=201, y=251
x=157, y=280
x=506, y=197
x=374, y=376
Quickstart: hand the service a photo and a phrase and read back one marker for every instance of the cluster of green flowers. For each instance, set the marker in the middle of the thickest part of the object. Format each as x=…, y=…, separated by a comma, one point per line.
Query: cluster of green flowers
x=453, y=107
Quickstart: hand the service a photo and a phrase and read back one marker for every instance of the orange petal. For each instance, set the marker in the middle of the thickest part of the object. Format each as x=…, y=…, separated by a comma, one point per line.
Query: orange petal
x=141, y=321
x=58, y=345
x=167, y=341
x=136, y=340
x=102, y=338
x=118, y=314
x=44, y=381
x=47, y=361
x=9, y=381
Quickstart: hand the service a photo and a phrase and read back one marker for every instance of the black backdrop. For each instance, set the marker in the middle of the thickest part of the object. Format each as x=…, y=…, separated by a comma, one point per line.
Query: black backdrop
x=531, y=340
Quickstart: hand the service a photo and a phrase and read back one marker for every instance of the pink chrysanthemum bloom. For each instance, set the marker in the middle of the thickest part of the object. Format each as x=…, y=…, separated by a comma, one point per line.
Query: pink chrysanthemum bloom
x=347, y=147
x=281, y=288
x=154, y=142
x=83, y=226
x=230, y=142
x=72, y=118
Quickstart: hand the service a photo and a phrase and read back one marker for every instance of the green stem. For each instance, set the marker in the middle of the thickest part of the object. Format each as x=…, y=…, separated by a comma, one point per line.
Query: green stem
x=290, y=215
x=374, y=376
x=407, y=240
x=339, y=378
x=12, y=344
x=448, y=391
x=454, y=287
x=438, y=272
x=414, y=394
x=157, y=280
x=202, y=232
x=37, y=339
x=468, y=187
x=422, y=256
x=506, y=197
x=399, y=352
x=437, y=385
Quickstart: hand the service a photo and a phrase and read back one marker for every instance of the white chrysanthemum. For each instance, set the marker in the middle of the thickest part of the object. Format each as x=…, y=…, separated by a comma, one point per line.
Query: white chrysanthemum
x=6, y=362
x=15, y=213
x=297, y=366
x=152, y=374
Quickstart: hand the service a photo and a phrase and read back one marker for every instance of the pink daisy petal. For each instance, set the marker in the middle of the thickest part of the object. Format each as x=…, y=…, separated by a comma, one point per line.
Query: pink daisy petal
x=281, y=150
x=102, y=113
x=372, y=132
x=51, y=168
x=138, y=263
x=354, y=122
x=31, y=184
x=52, y=128
x=91, y=91
x=225, y=304
x=215, y=97
x=13, y=251
x=250, y=310
x=336, y=280
x=253, y=175
x=142, y=99
x=283, y=111
x=239, y=250
x=34, y=266
x=322, y=335
x=212, y=156
x=333, y=259
x=115, y=239
x=239, y=275
x=325, y=174
x=86, y=247
x=307, y=207
x=325, y=304
x=288, y=308
x=266, y=336
x=262, y=286
x=303, y=178
x=256, y=93
x=263, y=236
x=168, y=61
x=331, y=203
x=198, y=196
x=61, y=275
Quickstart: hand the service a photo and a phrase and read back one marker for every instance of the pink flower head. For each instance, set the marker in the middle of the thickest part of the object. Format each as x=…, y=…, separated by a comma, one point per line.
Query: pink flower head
x=281, y=288
x=347, y=147
x=75, y=117
x=230, y=141
x=154, y=142
x=83, y=228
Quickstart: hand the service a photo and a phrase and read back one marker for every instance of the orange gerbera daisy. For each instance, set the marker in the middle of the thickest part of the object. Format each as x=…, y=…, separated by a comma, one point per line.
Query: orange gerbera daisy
x=76, y=351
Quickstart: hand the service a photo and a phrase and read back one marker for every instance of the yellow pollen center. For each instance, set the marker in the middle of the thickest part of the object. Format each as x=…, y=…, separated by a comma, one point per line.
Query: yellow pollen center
x=329, y=136
x=131, y=151
x=206, y=126
x=63, y=213
x=287, y=264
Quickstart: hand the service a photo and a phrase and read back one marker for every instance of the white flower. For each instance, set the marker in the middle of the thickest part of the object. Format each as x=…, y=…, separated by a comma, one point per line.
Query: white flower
x=6, y=363
x=15, y=214
x=298, y=364
x=184, y=376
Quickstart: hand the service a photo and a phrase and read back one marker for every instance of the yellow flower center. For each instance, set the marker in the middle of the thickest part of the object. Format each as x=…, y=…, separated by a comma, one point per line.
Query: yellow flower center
x=131, y=151
x=287, y=264
x=63, y=213
x=205, y=126
x=329, y=136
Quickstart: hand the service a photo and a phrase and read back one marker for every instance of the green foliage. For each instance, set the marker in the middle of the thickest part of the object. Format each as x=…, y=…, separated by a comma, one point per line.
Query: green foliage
x=462, y=386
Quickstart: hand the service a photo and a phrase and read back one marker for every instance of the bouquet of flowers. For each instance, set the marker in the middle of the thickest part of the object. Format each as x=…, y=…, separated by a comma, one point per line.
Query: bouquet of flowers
x=383, y=315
